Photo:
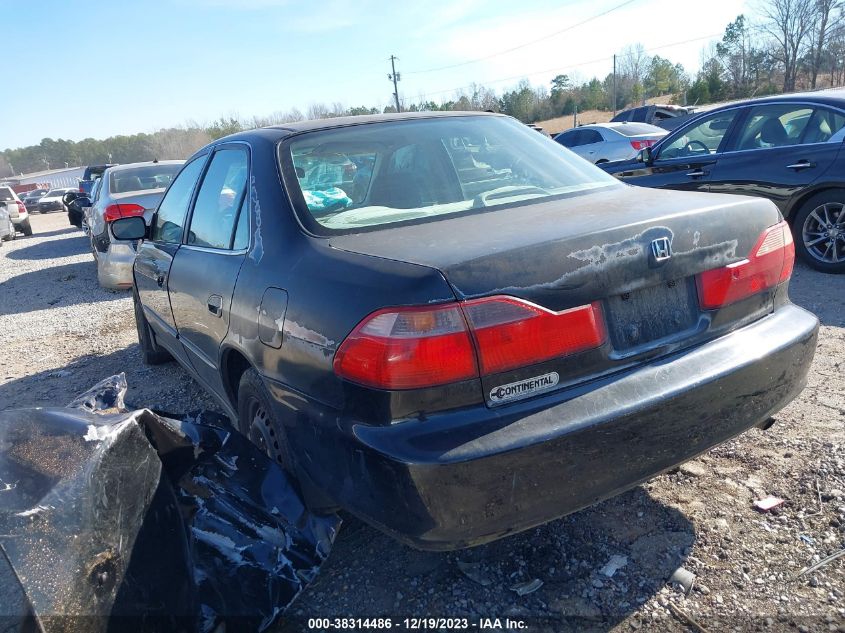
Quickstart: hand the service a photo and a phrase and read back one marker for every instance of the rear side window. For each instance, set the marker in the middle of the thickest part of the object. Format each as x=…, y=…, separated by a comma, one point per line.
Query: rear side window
x=775, y=125
x=591, y=136
x=170, y=217
x=219, y=200
x=823, y=125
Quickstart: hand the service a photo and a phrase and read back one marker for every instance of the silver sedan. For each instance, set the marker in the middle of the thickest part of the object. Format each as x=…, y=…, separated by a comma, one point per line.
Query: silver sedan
x=124, y=191
x=604, y=142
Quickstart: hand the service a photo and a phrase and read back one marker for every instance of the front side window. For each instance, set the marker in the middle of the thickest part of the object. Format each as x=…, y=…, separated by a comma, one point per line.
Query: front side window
x=219, y=199
x=170, y=217
x=371, y=175
x=774, y=125
x=700, y=139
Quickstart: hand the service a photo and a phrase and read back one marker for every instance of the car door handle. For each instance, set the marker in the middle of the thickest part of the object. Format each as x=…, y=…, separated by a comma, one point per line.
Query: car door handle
x=160, y=279
x=801, y=164
x=696, y=173
x=215, y=305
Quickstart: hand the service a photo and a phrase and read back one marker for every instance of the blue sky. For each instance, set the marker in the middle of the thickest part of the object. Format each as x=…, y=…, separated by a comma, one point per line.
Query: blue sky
x=139, y=65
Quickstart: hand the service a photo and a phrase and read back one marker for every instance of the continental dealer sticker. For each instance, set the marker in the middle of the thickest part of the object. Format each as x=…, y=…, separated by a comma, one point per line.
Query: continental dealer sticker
x=524, y=388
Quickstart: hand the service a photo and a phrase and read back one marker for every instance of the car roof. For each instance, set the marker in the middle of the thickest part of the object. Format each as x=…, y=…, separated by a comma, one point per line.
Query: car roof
x=122, y=167
x=615, y=125
x=343, y=121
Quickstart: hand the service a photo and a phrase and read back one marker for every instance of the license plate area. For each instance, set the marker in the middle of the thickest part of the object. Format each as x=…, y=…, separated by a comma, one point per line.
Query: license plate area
x=650, y=314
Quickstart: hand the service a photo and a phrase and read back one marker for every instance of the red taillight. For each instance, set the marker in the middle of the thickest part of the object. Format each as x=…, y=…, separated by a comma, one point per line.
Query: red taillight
x=21, y=206
x=769, y=264
x=638, y=145
x=410, y=348
x=116, y=211
x=513, y=333
x=406, y=348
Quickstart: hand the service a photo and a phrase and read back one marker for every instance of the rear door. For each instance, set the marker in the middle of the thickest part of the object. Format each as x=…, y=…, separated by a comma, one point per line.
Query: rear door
x=686, y=158
x=205, y=268
x=778, y=151
x=152, y=263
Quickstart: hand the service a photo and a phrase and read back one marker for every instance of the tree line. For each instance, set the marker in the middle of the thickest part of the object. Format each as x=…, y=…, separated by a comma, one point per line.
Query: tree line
x=791, y=45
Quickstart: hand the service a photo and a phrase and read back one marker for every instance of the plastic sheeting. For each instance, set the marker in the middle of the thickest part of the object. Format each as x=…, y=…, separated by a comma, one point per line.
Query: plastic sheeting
x=115, y=520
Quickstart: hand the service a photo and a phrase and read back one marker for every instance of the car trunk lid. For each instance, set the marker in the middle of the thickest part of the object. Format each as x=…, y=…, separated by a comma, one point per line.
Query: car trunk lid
x=637, y=256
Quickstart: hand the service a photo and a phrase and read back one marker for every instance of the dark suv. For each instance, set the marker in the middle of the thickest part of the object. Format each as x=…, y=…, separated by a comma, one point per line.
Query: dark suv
x=454, y=327
x=787, y=149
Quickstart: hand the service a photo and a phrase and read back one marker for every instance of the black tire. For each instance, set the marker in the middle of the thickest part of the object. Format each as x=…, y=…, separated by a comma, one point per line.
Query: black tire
x=151, y=352
x=257, y=421
x=26, y=227
x=818, y=243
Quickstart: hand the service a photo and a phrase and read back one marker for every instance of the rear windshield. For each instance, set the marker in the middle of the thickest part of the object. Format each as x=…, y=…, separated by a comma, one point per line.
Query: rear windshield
x=6, y=194
x=364, y=176
x=638, y=129
x=142, y=178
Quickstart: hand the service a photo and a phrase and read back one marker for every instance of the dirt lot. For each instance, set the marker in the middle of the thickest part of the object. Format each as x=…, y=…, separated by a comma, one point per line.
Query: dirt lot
x=60, y=333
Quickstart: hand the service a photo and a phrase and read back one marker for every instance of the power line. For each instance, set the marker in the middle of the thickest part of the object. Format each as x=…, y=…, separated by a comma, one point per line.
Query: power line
x=570, y=66
x=515, y=48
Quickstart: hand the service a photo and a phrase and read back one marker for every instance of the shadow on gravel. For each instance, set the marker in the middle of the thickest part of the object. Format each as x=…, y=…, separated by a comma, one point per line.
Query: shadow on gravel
x=70, y=230
x=72, y=245
x=820, y=293
x=369, y=574
x=38, y=290
x=165, y=387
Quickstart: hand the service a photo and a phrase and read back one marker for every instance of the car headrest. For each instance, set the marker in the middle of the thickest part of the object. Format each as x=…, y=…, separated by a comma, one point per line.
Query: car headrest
x=773, y=132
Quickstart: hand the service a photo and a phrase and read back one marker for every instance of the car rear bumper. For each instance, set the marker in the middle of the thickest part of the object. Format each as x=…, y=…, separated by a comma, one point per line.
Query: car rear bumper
x=463, y=478
x=114, y=266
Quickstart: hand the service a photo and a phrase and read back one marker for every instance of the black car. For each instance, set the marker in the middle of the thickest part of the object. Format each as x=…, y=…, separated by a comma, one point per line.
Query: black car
x=91, y=174
x=786, y=148
x=669, y=117
x=31, y=198
x=455, y=328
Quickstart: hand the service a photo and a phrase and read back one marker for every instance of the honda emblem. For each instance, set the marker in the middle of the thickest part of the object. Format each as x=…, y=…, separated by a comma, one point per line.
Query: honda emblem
x=661, y=248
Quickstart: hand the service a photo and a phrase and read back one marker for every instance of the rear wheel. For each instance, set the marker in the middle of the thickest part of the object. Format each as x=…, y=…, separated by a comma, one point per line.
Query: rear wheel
x=819, y=231
x=151, y=352
x=257, y=420
x=26, y=227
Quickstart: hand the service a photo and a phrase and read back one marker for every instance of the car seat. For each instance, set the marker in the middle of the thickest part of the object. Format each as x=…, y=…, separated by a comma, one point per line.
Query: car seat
x=773, y=133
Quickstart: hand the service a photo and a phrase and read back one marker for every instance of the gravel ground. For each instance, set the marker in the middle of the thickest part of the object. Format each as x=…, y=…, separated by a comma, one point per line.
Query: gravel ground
x=60, y=333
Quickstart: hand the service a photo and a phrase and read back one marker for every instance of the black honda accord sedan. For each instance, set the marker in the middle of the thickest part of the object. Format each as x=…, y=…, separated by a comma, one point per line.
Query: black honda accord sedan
x=456, y=329
x=787, y=148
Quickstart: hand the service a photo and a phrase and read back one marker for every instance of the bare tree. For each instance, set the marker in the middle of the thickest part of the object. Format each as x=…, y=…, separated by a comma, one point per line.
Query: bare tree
x=790, y=23
x=828, y=15
x=633, y=66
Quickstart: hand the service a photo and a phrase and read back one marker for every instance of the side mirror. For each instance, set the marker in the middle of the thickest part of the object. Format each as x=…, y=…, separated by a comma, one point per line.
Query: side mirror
x=70, y=196
x=133, y=228
x=645, y=155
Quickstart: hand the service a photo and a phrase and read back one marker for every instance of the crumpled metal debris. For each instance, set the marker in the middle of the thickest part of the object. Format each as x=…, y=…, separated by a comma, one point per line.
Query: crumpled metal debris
x=141, y=522
x=683, y=578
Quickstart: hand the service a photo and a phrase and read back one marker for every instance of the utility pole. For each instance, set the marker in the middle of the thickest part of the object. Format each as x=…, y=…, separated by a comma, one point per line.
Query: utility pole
x=394, y=77
x=614, y=84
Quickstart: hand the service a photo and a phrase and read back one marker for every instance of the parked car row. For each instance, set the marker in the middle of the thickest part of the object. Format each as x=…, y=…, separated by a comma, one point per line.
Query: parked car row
x=450, y=314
